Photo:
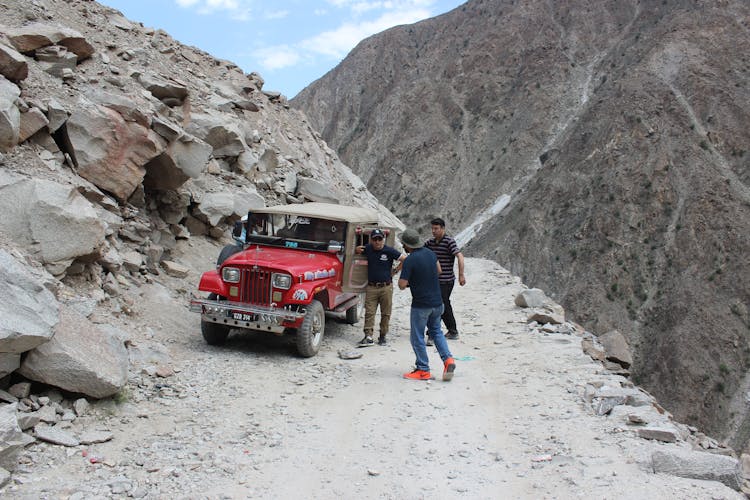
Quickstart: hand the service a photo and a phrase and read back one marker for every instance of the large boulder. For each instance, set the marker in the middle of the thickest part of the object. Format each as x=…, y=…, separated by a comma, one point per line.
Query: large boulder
x=80, y=358
x=167, y=90
x=10, y=116
x=617, y=348
x=183, y=159
x=224, y=136
x=110, y=151
x=51, y=220
x=13, y=65
x=28, y=312
x=698, y=465
x=31, y=37
x=315, y=190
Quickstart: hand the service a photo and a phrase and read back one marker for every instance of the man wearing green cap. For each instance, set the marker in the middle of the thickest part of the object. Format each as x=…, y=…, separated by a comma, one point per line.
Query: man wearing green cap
x=420, y=274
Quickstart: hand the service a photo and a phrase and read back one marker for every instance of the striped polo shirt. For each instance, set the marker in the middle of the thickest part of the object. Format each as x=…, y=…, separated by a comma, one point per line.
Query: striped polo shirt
x=446, y=251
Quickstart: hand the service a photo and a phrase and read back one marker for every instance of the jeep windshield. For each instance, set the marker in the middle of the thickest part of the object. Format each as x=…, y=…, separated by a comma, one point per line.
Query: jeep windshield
x=294, y=231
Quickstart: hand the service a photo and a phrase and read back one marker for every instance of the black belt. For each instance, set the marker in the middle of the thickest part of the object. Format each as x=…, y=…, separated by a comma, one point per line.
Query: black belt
x=379, y=284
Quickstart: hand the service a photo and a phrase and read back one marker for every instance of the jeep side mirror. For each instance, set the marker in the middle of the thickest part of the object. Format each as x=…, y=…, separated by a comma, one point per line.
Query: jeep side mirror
x=335, y=247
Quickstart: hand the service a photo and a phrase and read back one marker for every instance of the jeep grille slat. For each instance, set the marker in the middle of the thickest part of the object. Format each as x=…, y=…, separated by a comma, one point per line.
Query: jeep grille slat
x=255, y=286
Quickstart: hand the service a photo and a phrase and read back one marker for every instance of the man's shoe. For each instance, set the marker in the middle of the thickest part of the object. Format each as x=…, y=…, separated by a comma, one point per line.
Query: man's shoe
x=366, y=342
x=418, y=375
x=451, y=335
x=382, y=341
x=428, y=342
x=449, y=368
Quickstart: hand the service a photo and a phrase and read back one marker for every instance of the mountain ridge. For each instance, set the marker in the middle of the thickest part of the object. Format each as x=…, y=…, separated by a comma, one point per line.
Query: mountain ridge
x=616, y=131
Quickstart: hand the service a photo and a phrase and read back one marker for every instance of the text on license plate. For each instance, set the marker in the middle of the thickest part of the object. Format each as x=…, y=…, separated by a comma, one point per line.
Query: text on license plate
x=239, y=316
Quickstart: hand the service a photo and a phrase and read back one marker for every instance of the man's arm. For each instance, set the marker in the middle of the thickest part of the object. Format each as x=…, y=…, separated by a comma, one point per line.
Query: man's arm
x=461, y=277
x=359, y=249
x=400, y=264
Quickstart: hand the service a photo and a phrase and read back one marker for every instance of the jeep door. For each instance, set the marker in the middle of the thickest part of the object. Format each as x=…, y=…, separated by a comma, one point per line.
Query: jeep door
x=355, y=265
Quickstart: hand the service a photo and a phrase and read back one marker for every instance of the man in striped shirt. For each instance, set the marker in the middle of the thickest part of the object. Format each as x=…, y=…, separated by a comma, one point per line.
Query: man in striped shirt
x=447, y=252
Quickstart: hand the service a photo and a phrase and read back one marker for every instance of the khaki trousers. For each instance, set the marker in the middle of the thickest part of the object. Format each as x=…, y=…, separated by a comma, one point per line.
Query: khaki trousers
x=378, y=296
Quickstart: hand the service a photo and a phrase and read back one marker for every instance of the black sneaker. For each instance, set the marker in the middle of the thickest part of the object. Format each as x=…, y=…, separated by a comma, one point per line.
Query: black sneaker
x=451, y=335
x=428, y=342
x=366, y=341
x=382, y=341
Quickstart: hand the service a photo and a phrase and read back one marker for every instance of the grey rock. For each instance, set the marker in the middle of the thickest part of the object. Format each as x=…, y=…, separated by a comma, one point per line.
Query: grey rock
x=663, y=432
x=9, y=362
x=315, y=190
x=55, y=435
x=31, y=122
x=80, y=358
x=698, y=465
x=13, y=66
x=10, y=116
x=56, y=115
x=110, y=152
x=45, y=213
x=20, y=390
x=28, y=311
x=533, y=297
x=11, y=437
x=617, y=348
x=94, y=437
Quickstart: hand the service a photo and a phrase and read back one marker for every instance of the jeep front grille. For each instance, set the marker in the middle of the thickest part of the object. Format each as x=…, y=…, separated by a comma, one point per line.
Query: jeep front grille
x=255, y=286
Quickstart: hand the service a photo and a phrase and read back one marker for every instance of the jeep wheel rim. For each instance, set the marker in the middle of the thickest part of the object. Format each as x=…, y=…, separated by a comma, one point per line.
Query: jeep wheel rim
x=317, y=328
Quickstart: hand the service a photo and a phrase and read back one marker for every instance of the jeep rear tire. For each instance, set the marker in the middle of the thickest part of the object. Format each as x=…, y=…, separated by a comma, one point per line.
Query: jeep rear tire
x=354, y=313
x=214, y=333
x=227, y=252
x=310, y=334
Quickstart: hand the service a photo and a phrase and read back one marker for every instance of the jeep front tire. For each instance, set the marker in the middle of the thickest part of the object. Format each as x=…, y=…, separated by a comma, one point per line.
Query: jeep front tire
x=310, y=334
x=214, y=333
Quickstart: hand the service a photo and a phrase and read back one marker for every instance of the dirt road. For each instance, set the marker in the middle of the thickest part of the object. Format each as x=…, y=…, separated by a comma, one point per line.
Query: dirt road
x=252, y=420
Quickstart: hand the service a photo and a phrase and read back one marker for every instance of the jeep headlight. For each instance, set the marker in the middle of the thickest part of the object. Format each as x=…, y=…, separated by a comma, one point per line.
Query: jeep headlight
x=230, y=274
x=283, y=281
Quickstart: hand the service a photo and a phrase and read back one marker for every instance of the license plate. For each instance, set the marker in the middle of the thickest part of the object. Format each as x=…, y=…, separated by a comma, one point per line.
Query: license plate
x=240, y=316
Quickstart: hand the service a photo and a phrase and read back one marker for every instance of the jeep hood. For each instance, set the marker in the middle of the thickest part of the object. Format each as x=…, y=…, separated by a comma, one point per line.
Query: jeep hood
x=295, y=262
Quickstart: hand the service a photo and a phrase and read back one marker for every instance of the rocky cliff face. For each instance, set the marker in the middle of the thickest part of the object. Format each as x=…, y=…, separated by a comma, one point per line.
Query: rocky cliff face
x=116, y=144
x=598, y=149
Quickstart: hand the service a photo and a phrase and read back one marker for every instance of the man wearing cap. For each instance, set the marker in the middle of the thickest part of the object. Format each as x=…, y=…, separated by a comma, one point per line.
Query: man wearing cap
x=420, y=273
x=379, y=290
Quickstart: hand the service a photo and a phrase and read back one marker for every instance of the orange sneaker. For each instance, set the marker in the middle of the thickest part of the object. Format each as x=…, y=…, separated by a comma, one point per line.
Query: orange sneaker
x=450, y=367
x=418, y=375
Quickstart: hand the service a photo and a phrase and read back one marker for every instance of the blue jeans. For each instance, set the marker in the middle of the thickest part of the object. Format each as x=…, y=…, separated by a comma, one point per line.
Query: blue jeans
x=427, y=317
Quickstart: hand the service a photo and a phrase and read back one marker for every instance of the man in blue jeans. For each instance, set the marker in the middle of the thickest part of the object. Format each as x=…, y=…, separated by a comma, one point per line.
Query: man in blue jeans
x=420, y=273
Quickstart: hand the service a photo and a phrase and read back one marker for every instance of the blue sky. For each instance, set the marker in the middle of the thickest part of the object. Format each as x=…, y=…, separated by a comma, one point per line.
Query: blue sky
x=291, y=43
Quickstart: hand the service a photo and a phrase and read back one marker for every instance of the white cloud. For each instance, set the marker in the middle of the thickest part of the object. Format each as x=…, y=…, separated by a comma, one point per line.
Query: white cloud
x=238, y=9
x=278, y=57
x=278, y=14
x=337, y=43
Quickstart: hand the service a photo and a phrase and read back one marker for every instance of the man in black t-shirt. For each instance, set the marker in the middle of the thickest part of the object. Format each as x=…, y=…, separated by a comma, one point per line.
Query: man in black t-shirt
x=379, y=291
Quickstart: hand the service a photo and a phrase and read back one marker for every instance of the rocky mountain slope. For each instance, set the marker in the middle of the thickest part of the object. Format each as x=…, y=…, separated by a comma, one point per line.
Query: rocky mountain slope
x=597, y=149
x=117, y=145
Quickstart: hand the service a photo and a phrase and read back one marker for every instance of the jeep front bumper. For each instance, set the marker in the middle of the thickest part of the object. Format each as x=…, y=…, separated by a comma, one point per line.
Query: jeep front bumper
x=240, y=315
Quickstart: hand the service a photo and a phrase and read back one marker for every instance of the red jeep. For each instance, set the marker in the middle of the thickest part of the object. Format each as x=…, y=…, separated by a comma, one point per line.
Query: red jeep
x=291, y=265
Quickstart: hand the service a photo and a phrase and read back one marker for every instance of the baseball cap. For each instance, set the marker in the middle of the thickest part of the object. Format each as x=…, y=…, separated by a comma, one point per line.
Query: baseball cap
x=376, y=233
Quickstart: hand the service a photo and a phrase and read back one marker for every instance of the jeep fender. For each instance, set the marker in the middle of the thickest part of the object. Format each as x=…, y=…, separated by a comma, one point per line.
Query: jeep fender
x=211, y=282
x=304, y=293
